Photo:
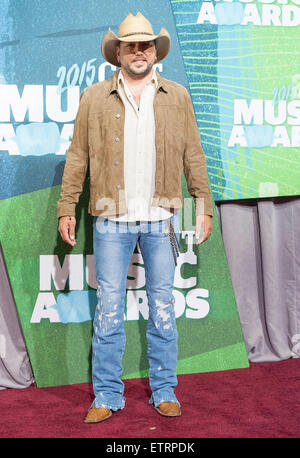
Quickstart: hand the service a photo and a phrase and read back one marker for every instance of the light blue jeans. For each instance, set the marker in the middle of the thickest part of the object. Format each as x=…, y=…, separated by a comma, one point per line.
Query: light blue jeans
x=114, y=244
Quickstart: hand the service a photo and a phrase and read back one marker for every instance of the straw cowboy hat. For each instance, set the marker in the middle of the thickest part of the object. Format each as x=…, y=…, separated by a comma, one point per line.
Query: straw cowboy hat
x=134, y=28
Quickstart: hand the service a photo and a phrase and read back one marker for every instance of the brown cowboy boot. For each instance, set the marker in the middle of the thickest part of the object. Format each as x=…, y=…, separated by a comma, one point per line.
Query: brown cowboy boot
x=169, y=409
x=97, y=414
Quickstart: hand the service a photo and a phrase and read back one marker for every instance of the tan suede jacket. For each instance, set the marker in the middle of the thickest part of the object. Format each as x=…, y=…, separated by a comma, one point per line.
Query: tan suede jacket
x=98, y=142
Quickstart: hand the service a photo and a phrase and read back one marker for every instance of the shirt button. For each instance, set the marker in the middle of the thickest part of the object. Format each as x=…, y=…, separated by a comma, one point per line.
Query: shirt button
x=117, y=139
x=118, y=186
x=117, y=163
x=118, y=116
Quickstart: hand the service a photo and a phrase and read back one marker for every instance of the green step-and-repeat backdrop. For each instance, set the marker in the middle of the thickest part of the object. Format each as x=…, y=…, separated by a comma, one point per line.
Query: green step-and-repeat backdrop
x=239, y=60
x=242, y=63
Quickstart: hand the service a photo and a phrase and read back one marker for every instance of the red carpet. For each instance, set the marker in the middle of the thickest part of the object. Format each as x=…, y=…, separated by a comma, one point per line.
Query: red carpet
x=260, y=402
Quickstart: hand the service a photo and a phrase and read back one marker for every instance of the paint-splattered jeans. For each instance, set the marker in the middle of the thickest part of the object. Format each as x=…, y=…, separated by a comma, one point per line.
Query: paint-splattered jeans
x=114, y=244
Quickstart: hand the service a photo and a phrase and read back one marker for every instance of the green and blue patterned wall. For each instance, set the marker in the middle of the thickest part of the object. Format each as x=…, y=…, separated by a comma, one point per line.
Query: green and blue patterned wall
x=242, y=63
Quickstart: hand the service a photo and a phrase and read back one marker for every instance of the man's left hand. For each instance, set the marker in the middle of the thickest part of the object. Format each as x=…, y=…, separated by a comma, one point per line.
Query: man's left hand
x=203, y=224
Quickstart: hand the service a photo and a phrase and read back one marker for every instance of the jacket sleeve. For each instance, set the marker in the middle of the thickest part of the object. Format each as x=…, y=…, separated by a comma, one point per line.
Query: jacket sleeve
x=195, y=165
x=76, y=162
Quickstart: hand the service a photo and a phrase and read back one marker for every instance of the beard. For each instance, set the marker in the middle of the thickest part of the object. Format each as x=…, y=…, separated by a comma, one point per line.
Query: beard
x=139, y=67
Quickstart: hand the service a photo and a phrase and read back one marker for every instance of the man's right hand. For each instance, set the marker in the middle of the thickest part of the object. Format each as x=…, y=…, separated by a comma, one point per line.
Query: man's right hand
x=66, y=228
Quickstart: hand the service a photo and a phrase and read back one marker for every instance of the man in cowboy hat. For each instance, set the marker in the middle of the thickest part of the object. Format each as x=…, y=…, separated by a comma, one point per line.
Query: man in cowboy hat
x=135, y=131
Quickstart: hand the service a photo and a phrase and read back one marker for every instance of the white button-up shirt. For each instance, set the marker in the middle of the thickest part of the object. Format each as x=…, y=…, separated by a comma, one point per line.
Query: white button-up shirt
x=139, y=154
